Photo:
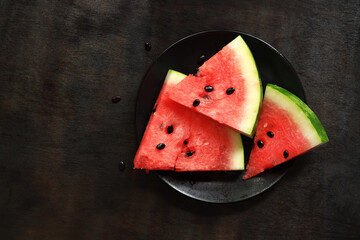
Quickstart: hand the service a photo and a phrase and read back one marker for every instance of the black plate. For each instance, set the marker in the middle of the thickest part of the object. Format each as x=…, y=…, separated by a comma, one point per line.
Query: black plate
x=183, y=56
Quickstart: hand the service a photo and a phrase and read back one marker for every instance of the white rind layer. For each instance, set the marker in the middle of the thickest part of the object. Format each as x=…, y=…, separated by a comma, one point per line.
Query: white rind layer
x=252, y=84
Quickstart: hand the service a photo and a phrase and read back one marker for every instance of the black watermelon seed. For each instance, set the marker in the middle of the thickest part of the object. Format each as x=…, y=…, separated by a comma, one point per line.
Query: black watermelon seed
x=189, y=153
x=160, y=146
x=121, y=166
x=196, y=103
x=201, y=60
x=185, y=142
x=260, y=144
x=230, y=91
x=270, y=134
x=208, y=88
x=195, y=71
x=286, y=154
x=147, y=46
x=170, y=129
x=116, y=99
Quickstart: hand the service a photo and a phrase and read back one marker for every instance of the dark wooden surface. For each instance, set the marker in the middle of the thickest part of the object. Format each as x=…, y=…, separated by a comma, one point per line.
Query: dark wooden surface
x=62, y=139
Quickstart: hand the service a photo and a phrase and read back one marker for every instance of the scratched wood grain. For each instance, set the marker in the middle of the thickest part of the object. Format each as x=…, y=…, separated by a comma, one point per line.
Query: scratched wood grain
x=62, y=139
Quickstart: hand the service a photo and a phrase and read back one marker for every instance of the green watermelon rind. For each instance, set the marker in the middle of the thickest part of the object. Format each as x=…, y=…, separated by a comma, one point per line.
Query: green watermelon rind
x=249, y=68
x=237, y=159
x=318, y=127
x=174, y=77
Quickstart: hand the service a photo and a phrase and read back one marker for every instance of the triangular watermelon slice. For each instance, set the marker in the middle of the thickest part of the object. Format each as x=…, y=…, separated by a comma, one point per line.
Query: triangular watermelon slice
x=227, y=88
x=287, y=128
x=177, y=138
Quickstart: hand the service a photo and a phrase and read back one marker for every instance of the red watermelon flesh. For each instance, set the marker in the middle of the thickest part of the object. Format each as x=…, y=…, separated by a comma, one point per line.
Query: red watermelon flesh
x=191, y=141
x=227, y=88
x=286, y=128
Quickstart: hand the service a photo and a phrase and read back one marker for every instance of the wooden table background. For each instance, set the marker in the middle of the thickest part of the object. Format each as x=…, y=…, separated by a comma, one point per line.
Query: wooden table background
x=62, y=139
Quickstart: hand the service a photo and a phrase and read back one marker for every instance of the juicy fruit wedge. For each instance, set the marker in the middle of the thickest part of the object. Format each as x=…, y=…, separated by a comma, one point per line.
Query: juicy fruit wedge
x=177, y=138
x=287, y=128
x=227, y=88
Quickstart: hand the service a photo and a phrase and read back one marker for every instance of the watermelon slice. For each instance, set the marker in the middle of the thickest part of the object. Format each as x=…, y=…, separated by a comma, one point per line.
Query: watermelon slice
x=287, y=128
x=227, y=88
x=177, y=138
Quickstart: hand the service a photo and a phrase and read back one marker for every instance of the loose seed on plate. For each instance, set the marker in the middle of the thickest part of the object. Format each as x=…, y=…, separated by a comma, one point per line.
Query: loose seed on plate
x=201, y=60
